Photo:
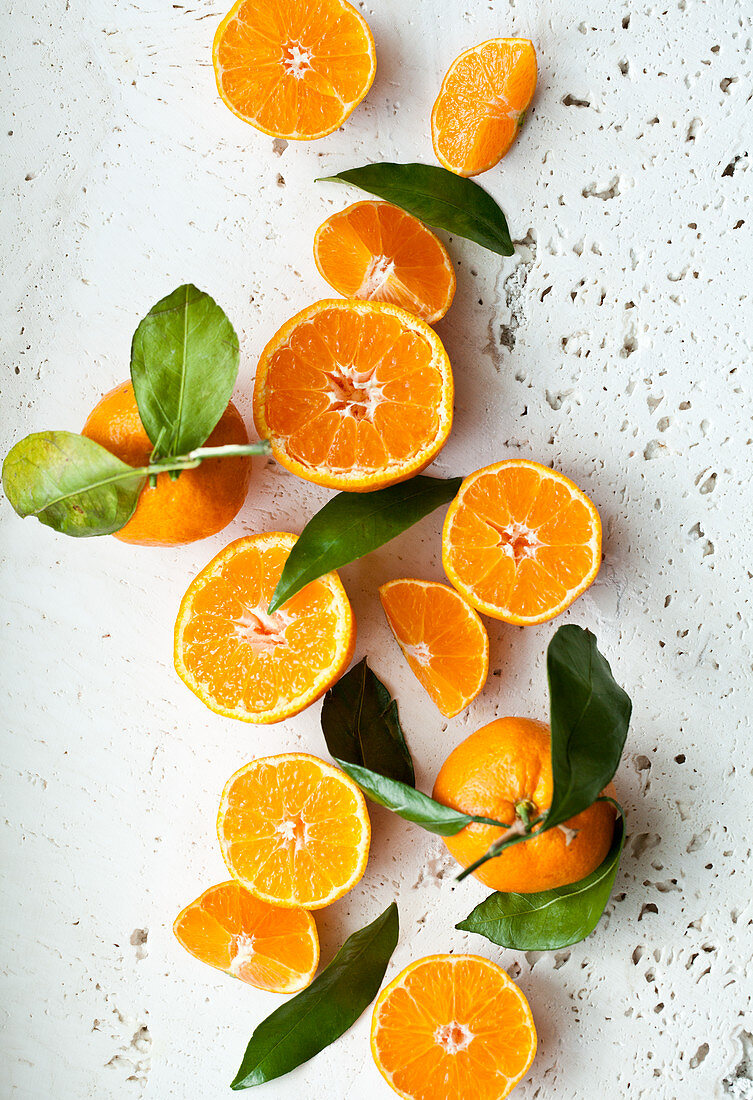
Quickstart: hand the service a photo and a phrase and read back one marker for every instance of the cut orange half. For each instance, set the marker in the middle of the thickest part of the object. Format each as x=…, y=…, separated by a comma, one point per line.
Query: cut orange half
x=269, y=947
x=481, y=104
x=294, y=830
x=452, y=1027
x=354, y=395
x=377, y=252
x=521, y=541
x=246, y=664
x=443, y=639
x=292, y=68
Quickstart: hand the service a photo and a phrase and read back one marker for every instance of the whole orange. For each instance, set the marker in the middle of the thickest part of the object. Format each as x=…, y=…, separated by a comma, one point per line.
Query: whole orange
x=197, y=504
x=499, y=767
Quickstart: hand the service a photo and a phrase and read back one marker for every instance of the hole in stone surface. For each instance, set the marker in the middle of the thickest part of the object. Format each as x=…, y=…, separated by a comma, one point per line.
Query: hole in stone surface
x=699, y=1056
x=572, y=101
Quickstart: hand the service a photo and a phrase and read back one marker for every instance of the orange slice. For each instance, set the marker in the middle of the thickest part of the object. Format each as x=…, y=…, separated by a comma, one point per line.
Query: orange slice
x=452, y=1027
x=269, y=947
x=292, y=68
x=294, y=830
x=378, y=252
x=354, y=395
x=246, y=664
x=521, y=541
x=443, y=639
x=481, y=104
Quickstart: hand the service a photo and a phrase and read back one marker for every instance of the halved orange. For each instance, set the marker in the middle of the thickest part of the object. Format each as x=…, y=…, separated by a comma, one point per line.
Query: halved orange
x=269, y=947
x=378, y=252
x=521, y=541
x=481, y=104
x=452, y=1027
x=294, y=830
x=246, y=664
x=292, y=68
x=443, y=639
x=354, y=395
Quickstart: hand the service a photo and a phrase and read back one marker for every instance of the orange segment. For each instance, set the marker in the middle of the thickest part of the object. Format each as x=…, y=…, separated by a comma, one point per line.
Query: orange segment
x=521, y=541
x=294, y=830
x=452, y=1027
x=246, y=664
x=354, y=395
x=269, y=947
x=481, y=104
x=377, y=252
x=442, y=637
x=292, y=68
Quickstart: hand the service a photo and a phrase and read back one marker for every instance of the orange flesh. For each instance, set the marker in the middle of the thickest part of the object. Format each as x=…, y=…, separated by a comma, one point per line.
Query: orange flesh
x=292, y=68
x=481, y=103
x=443, y=639
x=377, y=252
x=268, y=947
x=455, y=1027
x=521, y=541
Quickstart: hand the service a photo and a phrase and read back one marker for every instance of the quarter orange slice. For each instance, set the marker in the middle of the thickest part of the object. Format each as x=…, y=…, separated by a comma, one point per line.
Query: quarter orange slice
x=354, y=395
x=269, y=947
x=246, y=664
x=521, y=541
x=294, y=830
x=378, y=252
x=481, y=104
x=443, y=639
x=452, y=1027
x=292, y=68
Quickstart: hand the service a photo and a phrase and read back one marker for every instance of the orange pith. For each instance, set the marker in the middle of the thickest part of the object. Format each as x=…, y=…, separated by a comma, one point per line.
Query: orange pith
x=521, y=541
x=443, y=639
x=499, y=766
x=452, y=1027
x=378, y=252
x=268, y=947
x=481, y=104
x=292, y=68
x=246, y=664
x=200, y=502
x=294, y=830
x=354, y=395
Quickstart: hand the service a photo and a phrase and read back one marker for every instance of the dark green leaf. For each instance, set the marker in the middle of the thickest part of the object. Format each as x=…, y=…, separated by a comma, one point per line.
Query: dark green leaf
x=313, y=1019
x=70, y=484
x=407, y=801
x=437, y=197
x=590, y=715
x=551, y=919
x=184, y=362
x=352, y=524
x=361, y=724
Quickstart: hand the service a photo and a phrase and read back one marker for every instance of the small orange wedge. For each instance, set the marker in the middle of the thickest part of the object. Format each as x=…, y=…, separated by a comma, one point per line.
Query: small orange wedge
x=521, y=541
x=452, y=1027
x=246, y=664
x=378, y=252
x=294, y=830
x=354, y=395
x=292, y=68
x=481, y=104
x=268, y=947
x=443, y=639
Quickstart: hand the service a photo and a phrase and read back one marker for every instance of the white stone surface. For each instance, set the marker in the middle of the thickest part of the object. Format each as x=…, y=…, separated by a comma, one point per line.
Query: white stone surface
x=616, y=346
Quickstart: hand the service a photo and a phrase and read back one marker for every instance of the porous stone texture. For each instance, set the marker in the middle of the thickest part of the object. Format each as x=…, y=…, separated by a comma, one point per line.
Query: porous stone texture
x=615, y=345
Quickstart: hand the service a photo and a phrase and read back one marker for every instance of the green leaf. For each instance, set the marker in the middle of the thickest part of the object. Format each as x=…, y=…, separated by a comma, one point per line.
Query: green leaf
x=352, y=524
x=70, y=484
x=407, y=801
x=313, y=1019
x=361, y=724
x=550, y=919
x=184, y=362
x=590, y=715
x=437, y=197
